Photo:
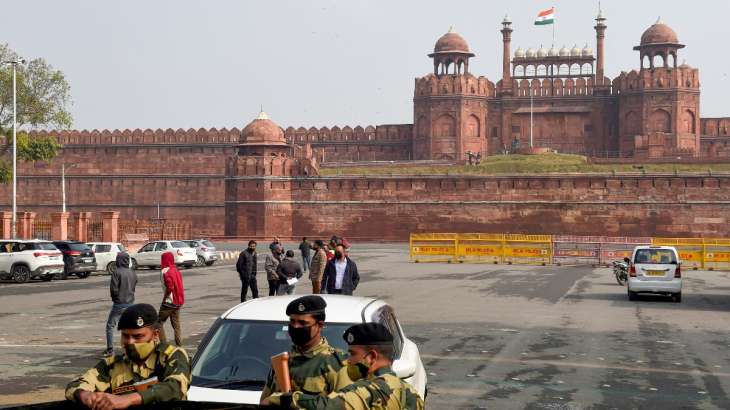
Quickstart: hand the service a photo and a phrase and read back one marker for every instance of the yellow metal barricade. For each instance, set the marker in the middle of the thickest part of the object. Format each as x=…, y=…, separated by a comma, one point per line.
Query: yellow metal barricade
x=433, y=247
x=717, y=254
x=480, y=247
x=528, y=249
x=691, y=250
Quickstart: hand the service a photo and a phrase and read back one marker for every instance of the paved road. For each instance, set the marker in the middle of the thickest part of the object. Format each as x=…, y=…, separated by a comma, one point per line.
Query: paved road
x=491, y=336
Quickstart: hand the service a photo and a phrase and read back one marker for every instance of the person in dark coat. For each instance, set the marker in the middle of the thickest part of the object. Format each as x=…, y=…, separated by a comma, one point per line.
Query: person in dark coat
x=121, y=287
x=246, y=267
x=340, y=275
x=287, y=270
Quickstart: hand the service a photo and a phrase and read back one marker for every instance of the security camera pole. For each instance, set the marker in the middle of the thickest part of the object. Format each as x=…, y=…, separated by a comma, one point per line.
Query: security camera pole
x=14, y=224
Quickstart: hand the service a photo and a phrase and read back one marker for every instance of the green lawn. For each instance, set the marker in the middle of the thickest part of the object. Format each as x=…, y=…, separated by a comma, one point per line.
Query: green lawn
x=525, y=164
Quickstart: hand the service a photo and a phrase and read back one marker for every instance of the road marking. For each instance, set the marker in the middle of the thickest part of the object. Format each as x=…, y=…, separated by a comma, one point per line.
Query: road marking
x=500, y=360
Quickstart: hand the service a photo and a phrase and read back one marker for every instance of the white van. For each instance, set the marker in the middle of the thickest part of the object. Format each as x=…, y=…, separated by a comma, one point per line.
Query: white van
x=655, y=269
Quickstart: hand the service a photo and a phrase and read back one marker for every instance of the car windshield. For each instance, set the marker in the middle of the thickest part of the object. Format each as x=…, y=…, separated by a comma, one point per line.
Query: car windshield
x=178, y=244
x=239, y=352
x=208, y=244
x=655, y=256
x=78, y=247
x=45, y=246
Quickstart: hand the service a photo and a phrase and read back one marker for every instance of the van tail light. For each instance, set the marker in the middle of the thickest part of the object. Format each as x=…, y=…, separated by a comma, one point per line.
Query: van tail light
x=632, y=271
x=179, y=252
x=678, y=272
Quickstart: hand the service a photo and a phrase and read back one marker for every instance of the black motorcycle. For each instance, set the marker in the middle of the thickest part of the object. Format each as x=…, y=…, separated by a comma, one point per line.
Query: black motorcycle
x=621, y=270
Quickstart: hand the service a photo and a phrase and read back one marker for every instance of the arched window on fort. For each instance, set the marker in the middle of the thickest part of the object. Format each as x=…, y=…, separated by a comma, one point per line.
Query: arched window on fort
x=671, y=60
x=688, y=121
x=541, y=70
x=519, y=71
x=660, y=121
x=575, y=69
x=659, y=61
x=444, y=126
x=646, y=62
x=472, y=126
x=564, y=69
x=530, y=70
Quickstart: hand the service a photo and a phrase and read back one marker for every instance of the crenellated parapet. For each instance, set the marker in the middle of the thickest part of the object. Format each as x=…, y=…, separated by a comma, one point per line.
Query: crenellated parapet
x=683, y=77
x=146, y=136
x=451, y=85
x=325, y=135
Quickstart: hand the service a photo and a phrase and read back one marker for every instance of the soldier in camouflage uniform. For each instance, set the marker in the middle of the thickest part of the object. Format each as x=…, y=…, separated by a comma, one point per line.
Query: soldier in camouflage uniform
x=149, y=371
x=315, y=367
x=376, y=387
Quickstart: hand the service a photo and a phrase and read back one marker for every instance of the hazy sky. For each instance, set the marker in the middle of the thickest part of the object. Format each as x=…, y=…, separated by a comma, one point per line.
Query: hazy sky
x=185, y=63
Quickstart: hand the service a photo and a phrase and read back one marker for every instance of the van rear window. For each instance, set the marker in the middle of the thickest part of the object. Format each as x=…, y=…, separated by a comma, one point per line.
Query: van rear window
x=655, y=256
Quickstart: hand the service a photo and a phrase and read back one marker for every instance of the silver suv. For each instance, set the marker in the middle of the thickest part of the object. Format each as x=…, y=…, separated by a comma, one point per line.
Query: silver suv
x=22, y=260
x=205, y=251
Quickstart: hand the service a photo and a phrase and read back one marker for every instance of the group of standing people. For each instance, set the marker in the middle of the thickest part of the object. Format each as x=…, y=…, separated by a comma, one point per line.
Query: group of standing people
x=330, y=268
x=122, y=287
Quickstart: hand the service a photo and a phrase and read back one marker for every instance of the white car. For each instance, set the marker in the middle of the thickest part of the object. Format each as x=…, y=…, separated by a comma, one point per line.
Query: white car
x=106, y=255
x=655, y=269
x=22, y=260
x=233, y=359
x=151, y=254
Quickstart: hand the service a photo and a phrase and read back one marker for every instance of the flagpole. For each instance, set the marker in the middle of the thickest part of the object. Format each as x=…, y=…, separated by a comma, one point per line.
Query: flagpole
x=553, y=26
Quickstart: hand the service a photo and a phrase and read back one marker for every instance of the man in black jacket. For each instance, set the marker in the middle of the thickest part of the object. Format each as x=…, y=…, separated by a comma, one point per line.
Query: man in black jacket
x=340, y=275
x=287, y=270
x=121, y=287
x=246, y=267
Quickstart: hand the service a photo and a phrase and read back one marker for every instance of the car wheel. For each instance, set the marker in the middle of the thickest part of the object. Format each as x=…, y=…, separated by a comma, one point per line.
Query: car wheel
x=47, y=278
x=83, y=275
x=134, y=264
x=209, y=263
x=677, y=297
x=201, y=261
x=111, y=267
x=21, y=273
x=632, y=295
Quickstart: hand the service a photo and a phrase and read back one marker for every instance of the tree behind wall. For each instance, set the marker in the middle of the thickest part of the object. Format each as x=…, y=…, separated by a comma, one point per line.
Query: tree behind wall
x=43, y=99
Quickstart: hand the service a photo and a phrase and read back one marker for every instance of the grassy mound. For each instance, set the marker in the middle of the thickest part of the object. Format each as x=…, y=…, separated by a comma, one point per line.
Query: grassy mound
x=525, y=164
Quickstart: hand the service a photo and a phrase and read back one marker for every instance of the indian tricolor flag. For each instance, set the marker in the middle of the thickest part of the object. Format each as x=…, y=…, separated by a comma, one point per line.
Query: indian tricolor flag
x=545, y=17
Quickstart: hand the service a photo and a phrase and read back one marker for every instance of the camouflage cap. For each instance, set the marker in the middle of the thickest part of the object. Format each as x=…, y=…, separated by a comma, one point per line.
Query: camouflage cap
x=138, y=316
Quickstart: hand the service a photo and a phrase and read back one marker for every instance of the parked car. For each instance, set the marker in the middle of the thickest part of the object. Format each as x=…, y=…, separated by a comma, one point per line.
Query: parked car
x=106, y=255
x=655, y=269
x=78, y=259
x=151, y=253
x=22, y=260
x=205, y=250
x=233, y=359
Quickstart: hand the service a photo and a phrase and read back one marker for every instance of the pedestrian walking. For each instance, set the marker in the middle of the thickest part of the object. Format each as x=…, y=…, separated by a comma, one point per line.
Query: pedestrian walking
x=173, y=298
x=316, y=269
x=246, y=268
x=288, y=270
x=340, y=276
x=305, y=247
x=270, y=265
x=122, y=286
x=274, y=243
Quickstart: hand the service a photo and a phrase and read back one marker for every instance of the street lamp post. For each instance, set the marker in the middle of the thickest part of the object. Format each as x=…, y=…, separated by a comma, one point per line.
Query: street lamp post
x=63, y=185
x=14, y=223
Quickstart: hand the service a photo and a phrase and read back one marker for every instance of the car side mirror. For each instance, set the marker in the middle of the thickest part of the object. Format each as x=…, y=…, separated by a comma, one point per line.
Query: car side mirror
x=404, y=368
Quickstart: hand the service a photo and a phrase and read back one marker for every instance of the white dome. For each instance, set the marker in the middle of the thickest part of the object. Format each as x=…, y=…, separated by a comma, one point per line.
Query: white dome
x=553, y=52
x=542, y=52
x=520, y=53
x=564, y=52
x=575, y=51
x=531, y=53
x=587, y=51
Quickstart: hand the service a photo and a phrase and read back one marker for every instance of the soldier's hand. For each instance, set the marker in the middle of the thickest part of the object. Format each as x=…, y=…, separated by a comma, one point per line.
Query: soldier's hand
x=111, y=401
x=87, y=398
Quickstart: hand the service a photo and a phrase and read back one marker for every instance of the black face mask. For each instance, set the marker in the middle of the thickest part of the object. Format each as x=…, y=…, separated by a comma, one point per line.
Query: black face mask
x=338, y=255
x=300, y=335
x=251, y=249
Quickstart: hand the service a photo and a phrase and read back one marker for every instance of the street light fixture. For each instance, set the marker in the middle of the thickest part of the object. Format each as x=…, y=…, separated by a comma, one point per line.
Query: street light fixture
x=14, y=223
x=63, y=185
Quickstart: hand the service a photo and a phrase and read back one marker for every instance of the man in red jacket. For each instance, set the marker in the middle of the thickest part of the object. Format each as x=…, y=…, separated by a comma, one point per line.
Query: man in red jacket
x=174, y=297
